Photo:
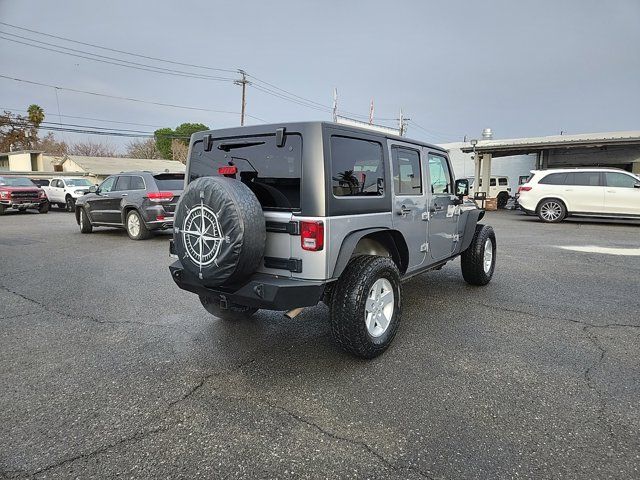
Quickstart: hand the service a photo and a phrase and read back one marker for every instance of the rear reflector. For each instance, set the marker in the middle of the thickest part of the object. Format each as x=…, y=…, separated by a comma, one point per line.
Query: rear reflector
x=524, y=189
x=230, y=170
x=312, y=236
x=160, y=196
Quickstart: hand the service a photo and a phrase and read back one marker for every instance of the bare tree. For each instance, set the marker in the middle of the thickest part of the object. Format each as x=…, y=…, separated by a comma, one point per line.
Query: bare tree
x=90, y=148
x=179, y=151
x=142, y=149
x=49, y=145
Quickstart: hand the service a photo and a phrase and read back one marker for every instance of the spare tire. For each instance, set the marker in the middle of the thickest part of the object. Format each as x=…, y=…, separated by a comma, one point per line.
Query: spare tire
x=219, y=230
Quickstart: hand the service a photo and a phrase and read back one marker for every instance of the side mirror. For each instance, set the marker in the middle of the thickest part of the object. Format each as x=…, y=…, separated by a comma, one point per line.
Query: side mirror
x=636, y=185
x=93, y=189
x=462, y=188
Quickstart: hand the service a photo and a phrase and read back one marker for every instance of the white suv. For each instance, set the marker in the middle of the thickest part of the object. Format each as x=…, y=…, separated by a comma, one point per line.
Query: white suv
x=499, y=188
x=595, y=192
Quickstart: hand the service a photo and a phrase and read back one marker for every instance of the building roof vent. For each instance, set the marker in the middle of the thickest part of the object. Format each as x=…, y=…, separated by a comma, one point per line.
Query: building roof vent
x=487, y=134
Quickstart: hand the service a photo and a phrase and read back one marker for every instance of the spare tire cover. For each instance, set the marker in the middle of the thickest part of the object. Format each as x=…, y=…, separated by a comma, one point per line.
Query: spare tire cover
x=219, y=230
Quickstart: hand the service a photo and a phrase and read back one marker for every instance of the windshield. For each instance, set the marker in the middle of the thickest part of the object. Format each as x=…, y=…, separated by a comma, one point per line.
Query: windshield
x=271, y=172
x=16, y=182
x=77, y=182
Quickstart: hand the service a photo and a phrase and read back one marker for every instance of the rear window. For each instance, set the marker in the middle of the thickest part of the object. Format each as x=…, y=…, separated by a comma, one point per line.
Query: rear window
x=170, y=182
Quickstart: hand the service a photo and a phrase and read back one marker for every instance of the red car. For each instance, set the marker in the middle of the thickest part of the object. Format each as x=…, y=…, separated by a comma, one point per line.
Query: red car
x=20, y=193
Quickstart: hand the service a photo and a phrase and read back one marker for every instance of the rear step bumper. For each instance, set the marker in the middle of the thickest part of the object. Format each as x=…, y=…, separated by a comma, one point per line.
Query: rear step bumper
x=260, y=290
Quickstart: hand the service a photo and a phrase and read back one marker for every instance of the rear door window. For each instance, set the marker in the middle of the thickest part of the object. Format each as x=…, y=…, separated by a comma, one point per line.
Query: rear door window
x=136, y=183
x=584, y=179
x=123, y=183
x=357, y=168
x=554, y=179
x=407, y=177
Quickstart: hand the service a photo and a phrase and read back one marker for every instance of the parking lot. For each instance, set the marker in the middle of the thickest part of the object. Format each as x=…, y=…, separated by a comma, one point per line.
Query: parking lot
x=109, y=369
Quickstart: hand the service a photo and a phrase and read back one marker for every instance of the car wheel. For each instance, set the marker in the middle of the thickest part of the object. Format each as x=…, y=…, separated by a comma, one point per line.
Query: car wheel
x=503, y=199
x=479, y=260
x=44, y=208
x=552, y=211
x=233, y=312
x=136, y=228
x=61, y=206
x=366, y=306
x=71, y=204
x=85, y=223
x=2, y=209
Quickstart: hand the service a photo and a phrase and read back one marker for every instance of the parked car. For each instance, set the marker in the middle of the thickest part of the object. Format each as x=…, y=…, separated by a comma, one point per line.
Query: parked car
x=264, y=223
x=595, y=192
x=65, y=191
x=499, y=188
x=20, y=193
x=139, y=202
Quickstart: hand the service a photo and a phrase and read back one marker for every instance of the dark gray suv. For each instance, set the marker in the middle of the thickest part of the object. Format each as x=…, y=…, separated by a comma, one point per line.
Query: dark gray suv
x=283, y=216
x=139, y=202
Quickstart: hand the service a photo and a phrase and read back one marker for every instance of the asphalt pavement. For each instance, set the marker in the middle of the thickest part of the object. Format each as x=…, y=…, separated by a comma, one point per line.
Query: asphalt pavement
x=108, y=369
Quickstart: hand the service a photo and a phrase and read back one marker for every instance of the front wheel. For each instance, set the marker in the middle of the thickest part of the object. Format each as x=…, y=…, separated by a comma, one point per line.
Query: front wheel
x=71, y=204
x=552, y=211
x=366, y=306
x=479, y=260
x=136, y=228
x=44, y=208
x=85, y=223
x=232, y=313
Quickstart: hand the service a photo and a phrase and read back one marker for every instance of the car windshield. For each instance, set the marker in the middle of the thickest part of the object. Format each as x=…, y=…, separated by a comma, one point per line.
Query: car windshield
x=16, y=182
x=77, y=182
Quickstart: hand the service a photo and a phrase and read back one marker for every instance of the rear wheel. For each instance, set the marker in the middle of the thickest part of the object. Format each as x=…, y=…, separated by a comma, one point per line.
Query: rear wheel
x=233, y=312
x=552, y=211
x=85, y=223
x=366, y=306
x=479, y=260
x=136, y=228
x=503, y=199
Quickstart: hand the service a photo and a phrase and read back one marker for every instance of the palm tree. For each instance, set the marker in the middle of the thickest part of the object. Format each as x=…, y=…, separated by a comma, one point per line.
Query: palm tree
x=35, y=113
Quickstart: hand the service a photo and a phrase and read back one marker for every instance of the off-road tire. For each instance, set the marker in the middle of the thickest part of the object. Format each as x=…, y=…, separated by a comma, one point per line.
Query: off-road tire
x=348, y=301
x=472, y=259
x=503, y=199
x=557, y=205
x=85, y=223
x=70, y=205
x=2, y=209
x=233, y=312
x=143, y=231
x=44, y=208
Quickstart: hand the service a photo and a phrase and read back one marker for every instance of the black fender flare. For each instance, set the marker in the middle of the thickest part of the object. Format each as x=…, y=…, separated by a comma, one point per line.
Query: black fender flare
x=351, y=241
x=473, y=217
x=125, y=208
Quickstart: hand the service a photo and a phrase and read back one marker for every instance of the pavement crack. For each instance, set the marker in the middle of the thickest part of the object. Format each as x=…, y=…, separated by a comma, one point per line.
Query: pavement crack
x=48, y=308
x=83, y=456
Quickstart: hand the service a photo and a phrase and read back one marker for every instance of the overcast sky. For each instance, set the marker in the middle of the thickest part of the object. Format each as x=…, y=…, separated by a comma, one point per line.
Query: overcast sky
x=523, y=68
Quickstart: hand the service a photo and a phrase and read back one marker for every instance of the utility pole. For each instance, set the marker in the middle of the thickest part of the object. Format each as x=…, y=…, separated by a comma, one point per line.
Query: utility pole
x=371, y=113
x=335, y=104
x=402, y=124
x=244, y=82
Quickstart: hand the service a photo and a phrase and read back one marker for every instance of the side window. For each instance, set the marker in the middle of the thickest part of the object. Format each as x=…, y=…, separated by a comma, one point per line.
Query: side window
x=357, y=168
x=554, y=179
x=107, y=185
x=57, y=184
x=619, y=180
x=503, y=182
x=407, y=179
x=492, y=182
x=122, y=183
x=585, y=179
x=440, y=174
x=137, y=183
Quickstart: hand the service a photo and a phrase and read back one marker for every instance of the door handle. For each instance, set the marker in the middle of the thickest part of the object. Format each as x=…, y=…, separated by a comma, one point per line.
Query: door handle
x=611, y=191
x=403, y=210
x=124, y=194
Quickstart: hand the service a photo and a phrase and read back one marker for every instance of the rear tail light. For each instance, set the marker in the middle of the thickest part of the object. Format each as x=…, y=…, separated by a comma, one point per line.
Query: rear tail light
x=230, y=170
x=524, y=189
x=312, y=236
x=160, y=196
x=160, y=217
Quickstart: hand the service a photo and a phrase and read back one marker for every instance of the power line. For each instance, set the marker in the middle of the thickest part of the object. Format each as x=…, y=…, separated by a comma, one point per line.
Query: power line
x=130, y=99
x=88, y=118
x=444, y=136
x=116, y=50
x=110, y=60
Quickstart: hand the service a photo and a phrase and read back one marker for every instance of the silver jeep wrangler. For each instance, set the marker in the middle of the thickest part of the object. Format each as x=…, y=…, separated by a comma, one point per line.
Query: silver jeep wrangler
x=283, y=216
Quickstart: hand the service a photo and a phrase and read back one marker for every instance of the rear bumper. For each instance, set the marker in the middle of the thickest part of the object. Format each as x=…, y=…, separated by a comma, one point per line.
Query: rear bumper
x=259, y=291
